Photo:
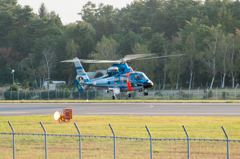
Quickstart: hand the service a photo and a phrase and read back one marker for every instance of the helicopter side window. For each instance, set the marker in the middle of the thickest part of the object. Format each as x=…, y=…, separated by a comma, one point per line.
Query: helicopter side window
x=124, y=79
x=117, y=79
x=130, y=79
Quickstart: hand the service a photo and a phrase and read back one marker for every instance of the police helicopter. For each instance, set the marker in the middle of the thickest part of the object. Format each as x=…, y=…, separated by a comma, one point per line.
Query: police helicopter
x=119, y=77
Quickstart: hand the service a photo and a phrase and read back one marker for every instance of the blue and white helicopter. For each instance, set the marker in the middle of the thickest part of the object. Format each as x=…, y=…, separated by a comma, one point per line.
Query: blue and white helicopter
x=119, y=77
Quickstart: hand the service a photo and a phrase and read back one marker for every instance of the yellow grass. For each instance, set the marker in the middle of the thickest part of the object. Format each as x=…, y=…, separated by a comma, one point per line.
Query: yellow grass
x=127, y=126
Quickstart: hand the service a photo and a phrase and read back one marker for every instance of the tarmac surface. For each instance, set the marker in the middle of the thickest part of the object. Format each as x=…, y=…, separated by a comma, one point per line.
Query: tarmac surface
x=113, y=109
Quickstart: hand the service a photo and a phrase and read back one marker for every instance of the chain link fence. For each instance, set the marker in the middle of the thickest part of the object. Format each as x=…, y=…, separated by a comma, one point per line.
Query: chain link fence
x=40, y=145
x=94, y=94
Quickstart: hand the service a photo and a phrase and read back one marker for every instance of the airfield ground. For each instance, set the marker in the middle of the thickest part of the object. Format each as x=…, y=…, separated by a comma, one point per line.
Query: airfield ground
x=127, y=126
x=202, y=127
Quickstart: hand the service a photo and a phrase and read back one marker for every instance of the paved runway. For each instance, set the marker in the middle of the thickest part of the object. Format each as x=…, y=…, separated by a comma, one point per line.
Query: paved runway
x=136, y=109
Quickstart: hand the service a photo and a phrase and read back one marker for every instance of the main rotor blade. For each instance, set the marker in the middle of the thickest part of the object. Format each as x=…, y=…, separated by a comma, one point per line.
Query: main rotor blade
x=71, y=60
x=157, y=57
x=125, y=59
x=100, y=61
x=92, y=61
x=136, y=56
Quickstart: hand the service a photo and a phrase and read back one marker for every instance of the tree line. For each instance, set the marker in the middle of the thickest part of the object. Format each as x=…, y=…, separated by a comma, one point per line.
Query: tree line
x=207, y=32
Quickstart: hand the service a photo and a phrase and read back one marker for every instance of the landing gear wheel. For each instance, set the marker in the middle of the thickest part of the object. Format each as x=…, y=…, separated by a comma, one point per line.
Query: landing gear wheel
x=129, y=95
x=113, y=97
x=145, y=93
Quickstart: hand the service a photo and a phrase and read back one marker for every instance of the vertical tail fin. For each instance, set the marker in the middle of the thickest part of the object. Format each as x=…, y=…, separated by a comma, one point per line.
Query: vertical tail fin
x=78, y=85
x=81, y=74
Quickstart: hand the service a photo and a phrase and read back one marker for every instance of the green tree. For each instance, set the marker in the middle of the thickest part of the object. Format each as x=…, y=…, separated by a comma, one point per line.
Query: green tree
x=101, y=27
x=224, y=48
x=13, y=17
x=210, y=55
x=71, y=52
x=211, y=8
x=227, y=21
x=107, y=49
x=163, y=19
x=143, y=65
x=128, y=41
x=176, y=64
x=42, y=11
x=6, y=74
x=83, y=34
x=88, y=13
x=185, y=10
x=160, y=45
x=9, y=56
x=234, y=8
x=233, y=57
x=14, y=87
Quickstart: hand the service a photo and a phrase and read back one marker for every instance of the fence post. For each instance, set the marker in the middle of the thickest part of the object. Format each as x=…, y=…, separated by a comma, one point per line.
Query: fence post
x=11, y=95
x=18, y=94
x=198, y=93
x=45, y=139
x=227, y=142
x=41, y=94
x=103, y=95
x=64, y=93
x=189, y=93
x=188, y=142
x=87, y=94
x=226, y=93
x=56, y=94
x=151, y=155
x=25, y=94
x=33, y=94
x=171, y=93
x=162, y=94
x=71, y=94
x=13, y=139
x=48, y=94
x=216, y=93
x=153, y=93
x=207, y=93
x=80, y=145
x=137, y=95
x=114, y=141
x=180, y=93
x=235, y=94
x=95, y=94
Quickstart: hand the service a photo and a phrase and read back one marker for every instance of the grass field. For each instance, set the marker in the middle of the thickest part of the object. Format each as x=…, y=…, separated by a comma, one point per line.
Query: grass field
x=127, y=126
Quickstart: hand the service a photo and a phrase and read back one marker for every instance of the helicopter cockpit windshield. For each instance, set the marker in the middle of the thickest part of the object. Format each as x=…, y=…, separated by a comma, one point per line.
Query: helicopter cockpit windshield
x=138, y=77
x=145, y=76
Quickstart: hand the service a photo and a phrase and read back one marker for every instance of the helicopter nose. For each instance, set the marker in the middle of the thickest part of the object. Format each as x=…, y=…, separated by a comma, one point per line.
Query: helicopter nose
x=148, y=84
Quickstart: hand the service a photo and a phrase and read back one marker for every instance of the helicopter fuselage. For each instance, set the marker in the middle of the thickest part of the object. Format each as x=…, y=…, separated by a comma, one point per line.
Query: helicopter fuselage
x=130, y=81
x=119, y=78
